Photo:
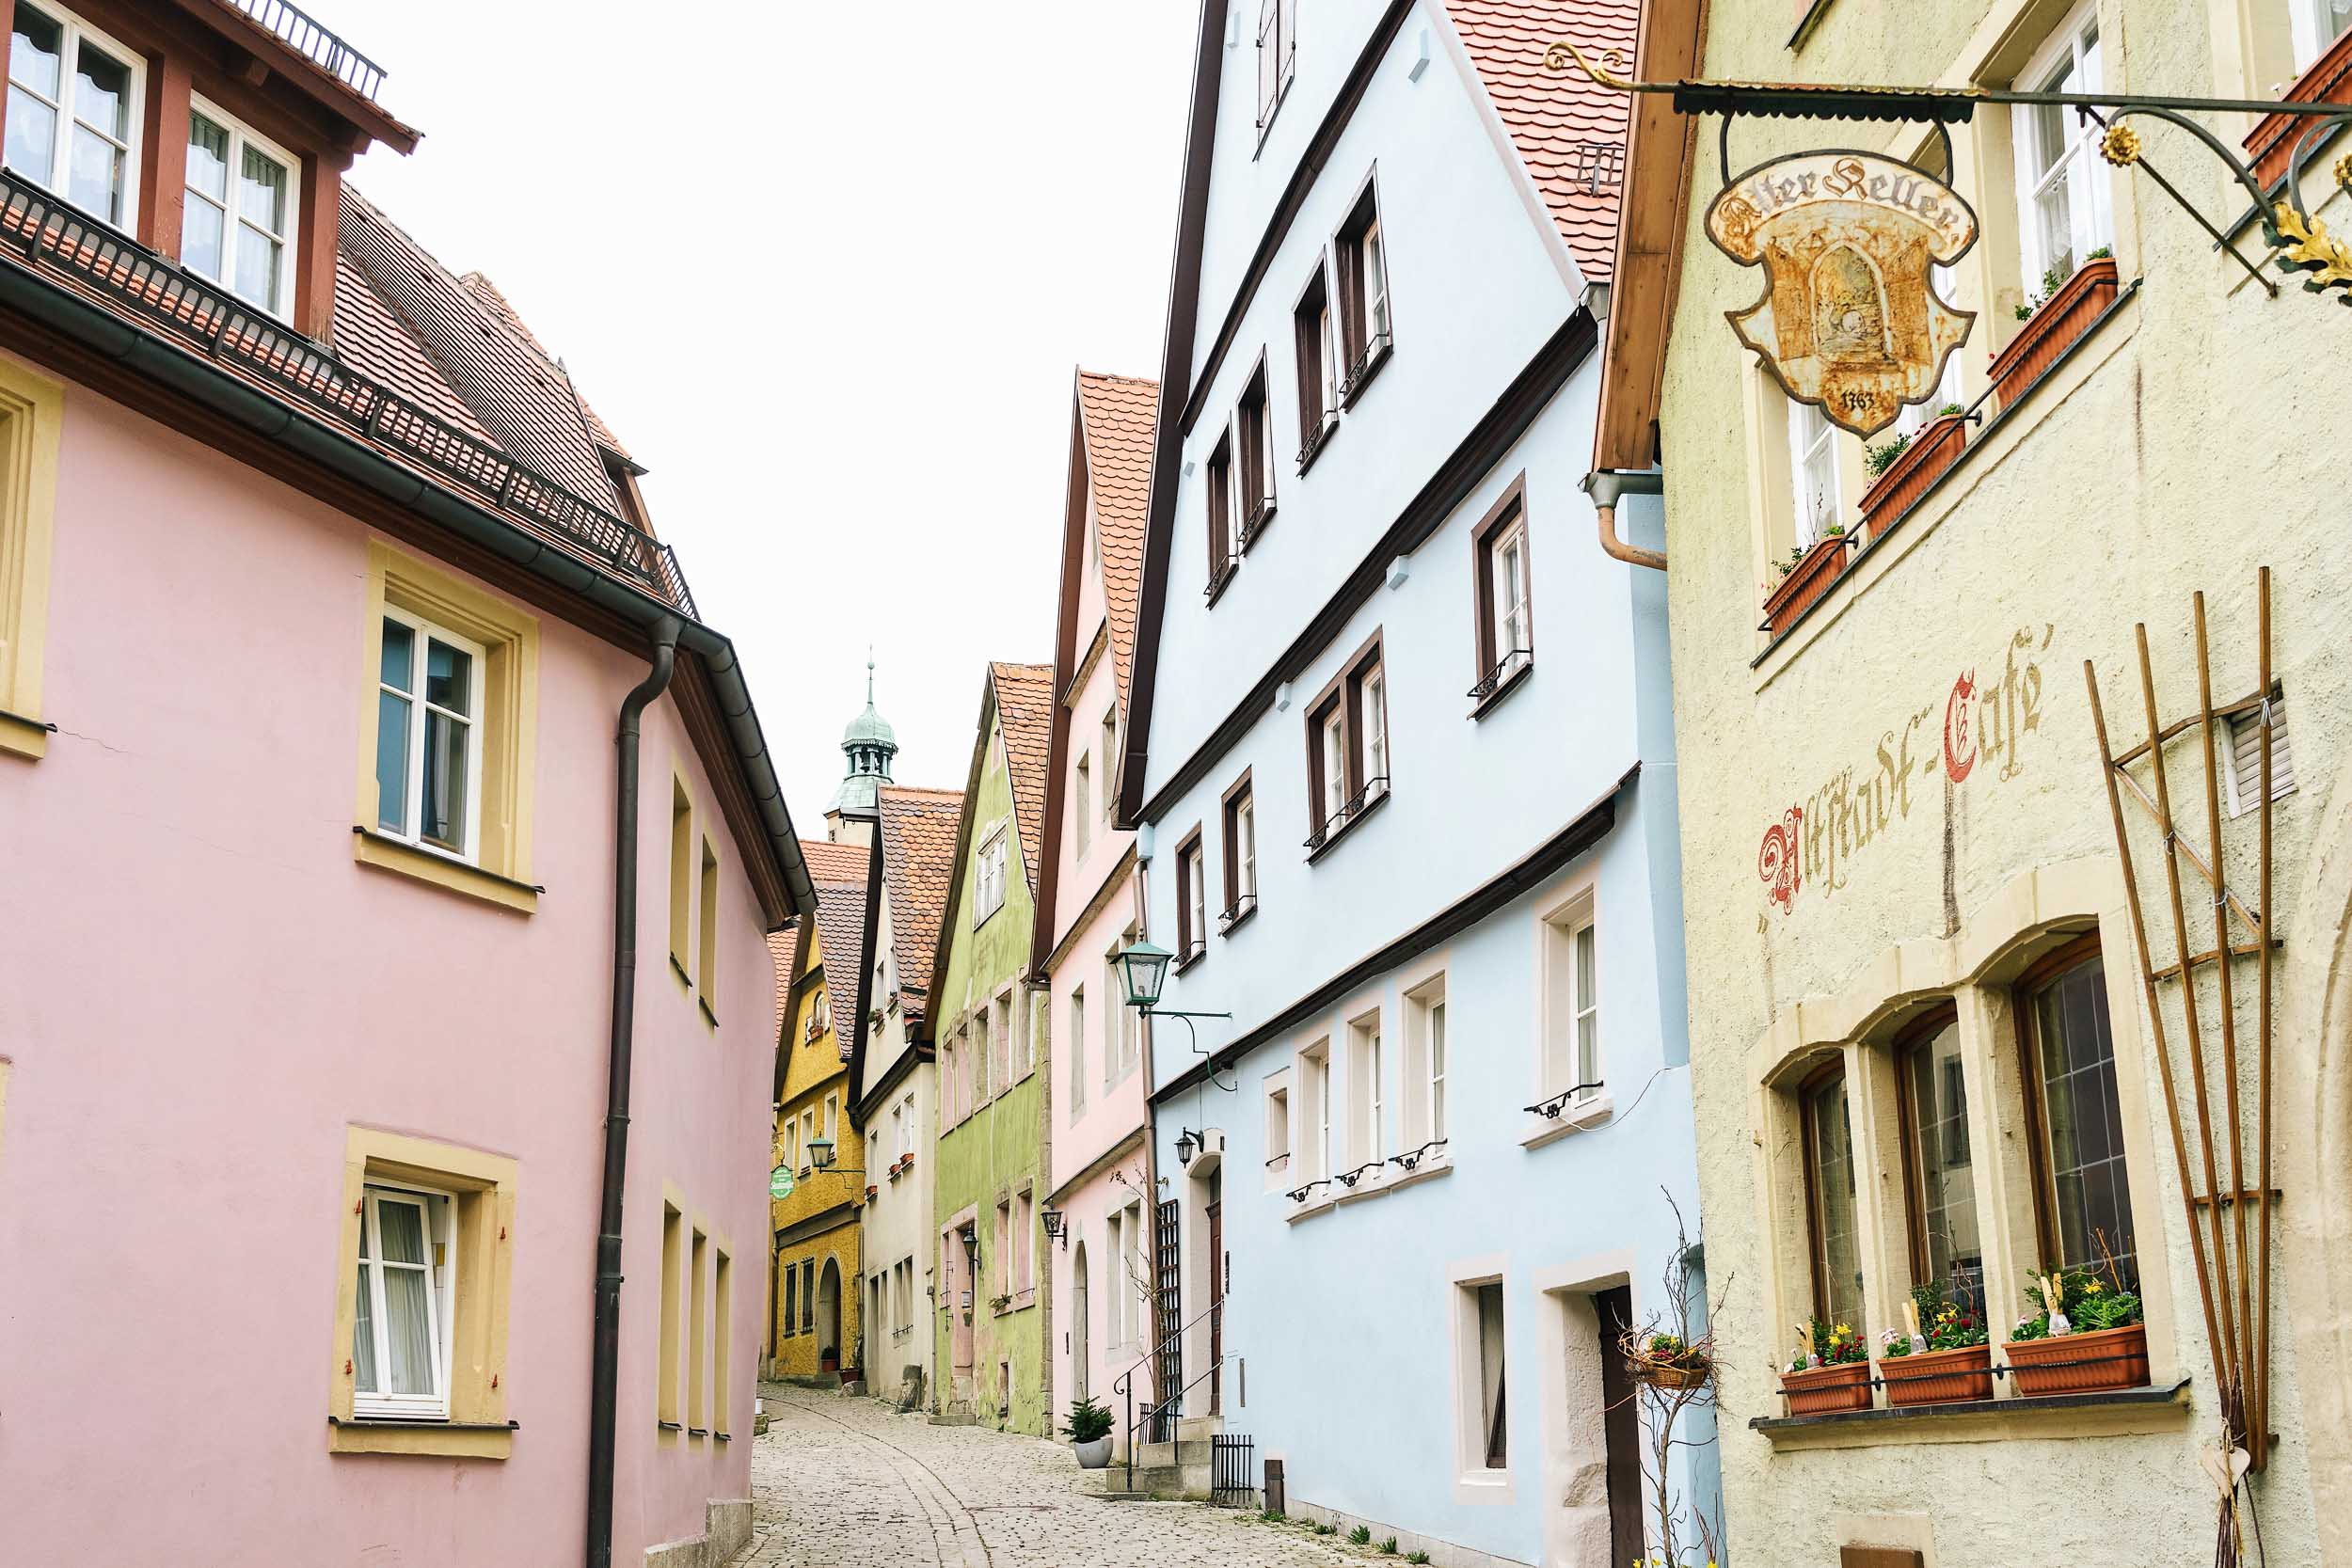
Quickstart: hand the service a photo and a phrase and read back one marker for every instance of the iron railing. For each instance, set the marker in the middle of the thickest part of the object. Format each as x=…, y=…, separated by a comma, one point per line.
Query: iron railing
x=56, y=236
x=1232, y=1470
x=1375, y=790
x=300, y=32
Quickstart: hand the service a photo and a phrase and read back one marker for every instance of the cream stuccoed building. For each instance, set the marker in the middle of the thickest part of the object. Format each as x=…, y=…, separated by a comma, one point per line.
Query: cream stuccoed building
x=1930, y=1050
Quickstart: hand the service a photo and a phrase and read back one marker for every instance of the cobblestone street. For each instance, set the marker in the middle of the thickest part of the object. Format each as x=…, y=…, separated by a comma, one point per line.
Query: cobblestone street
x=848, y=1483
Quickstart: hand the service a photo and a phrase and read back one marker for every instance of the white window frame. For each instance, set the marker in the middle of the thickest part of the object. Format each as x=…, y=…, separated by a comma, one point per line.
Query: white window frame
x=438, y=1211
x=991, y=872
x=240, y=133
x=1375, y=704
x=1278, y=1129
x=1314, y=1111
x=1367, y=1074
x=1811, y=437
x=1194, y=867
x=2307, y=22
x=1334, y=742
x=1082, y=802
x=60, y=155
x=2090, y=215
x=411, y=830
x=1424, y=1063
x=1374, y=256
x=1567, y=1005
x=1507, y=574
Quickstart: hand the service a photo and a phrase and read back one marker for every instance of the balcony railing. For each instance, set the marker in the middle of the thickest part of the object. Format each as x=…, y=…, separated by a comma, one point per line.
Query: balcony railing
x=57, y=238
x=300, y=32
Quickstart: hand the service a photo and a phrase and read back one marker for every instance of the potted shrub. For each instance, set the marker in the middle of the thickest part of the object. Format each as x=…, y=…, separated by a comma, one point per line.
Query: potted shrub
x=1903, y=469
x=1666, y=1361
x=1831, y=1372
x=1943, y=1357
x=2082, y=1332
x=1088, y=1429
x=829, y=1360
x=2062, y=312
x=1803, y=578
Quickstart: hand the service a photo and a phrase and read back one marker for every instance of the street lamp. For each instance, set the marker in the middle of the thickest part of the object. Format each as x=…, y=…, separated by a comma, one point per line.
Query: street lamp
x=1055, y=1227
x=821, y=1153
x=1144, y=970
x=1185, y=1146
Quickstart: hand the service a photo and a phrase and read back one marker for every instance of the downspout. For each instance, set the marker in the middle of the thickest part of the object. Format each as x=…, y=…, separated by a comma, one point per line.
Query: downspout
x=1605, y=486
x=605, y=1378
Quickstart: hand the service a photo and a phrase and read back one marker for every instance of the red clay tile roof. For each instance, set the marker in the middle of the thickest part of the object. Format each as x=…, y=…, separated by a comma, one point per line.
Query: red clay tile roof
x=918, y=840
x=495, y=300
x=450, y=332
x=839, y=872
x=1116, y=413
x=782, y=948
x=1551, y=116
x=1025, y=712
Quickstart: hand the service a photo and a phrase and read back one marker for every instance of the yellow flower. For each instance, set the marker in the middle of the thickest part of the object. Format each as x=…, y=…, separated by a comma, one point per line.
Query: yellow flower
x=2092, y=1289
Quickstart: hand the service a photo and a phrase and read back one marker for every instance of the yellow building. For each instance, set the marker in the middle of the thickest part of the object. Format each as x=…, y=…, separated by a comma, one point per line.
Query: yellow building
x=814, y=1330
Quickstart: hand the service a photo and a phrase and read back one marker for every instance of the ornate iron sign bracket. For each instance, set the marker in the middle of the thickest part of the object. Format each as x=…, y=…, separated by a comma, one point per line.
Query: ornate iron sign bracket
x=2305, y=247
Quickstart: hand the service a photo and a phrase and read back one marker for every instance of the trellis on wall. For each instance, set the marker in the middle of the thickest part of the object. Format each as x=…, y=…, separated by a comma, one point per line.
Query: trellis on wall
x=2232, y=1249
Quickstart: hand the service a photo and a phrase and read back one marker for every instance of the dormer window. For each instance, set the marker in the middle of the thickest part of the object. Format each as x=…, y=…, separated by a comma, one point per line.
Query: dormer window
x=238, y=225
x=72, y=112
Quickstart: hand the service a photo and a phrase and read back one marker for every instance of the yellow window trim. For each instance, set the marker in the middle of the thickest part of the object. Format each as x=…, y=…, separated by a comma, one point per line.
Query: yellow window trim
x=683, y=886
x=509, y=729
x=484, y=1185
x=390, y=854
x=32, y=416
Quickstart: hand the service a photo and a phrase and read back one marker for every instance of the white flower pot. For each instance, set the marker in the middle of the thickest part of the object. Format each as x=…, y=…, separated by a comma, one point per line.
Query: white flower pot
x=1095, y=1455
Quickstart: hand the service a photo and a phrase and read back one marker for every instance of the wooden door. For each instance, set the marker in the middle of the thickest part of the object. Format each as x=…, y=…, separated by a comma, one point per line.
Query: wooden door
x=1621, y=1427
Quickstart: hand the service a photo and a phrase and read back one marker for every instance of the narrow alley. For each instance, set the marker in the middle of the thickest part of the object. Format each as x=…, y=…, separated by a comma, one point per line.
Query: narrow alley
x=848, y=1483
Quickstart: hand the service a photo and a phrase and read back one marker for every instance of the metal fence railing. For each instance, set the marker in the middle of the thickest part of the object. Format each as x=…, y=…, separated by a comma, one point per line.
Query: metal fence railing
x=56, y=236
x=299, y=31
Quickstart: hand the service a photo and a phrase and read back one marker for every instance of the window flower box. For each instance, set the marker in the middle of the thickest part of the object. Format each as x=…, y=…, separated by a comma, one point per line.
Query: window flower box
x=1809, y=576
x=1938, y=1376
x=2080, y=1363
x=1931, y=450
x=1824, y=1390
x=2053, y=329
x=2270, y=145
x=873, y=1191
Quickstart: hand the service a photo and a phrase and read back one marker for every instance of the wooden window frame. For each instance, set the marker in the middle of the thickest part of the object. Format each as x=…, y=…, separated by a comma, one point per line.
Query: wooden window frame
x=1314, y=327
x=1344, y=693
x=1499, y=675
x=2038, y=977
x=1217, y=494
x=1238, y=795
x=1361, y=354
x=1192, y=871
x=1253, y=458
x=1816, y=1252
x=1278, y=20
x=1914, y=1037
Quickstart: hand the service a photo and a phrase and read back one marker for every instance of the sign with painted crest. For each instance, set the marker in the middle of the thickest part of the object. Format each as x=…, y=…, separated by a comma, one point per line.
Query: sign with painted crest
x=1850, y=320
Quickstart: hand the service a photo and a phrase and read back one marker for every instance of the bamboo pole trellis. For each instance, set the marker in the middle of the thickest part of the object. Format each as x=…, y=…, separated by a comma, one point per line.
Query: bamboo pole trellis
x=2233, y=1258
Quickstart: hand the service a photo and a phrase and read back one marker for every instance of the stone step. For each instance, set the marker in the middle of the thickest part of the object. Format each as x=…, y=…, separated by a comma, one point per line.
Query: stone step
x=1187, y=1450
x=1189, y=1481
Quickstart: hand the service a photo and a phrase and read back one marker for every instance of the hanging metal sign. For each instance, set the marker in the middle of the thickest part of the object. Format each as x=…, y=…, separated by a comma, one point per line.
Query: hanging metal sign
x=1850, y=320
x=780, y=1181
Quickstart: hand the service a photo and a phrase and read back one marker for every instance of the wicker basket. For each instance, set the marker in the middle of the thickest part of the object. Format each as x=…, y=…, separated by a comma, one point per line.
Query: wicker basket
x=1668, y=1374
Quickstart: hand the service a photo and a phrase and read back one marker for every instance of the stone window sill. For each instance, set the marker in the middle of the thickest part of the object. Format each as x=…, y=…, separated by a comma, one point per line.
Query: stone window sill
x=25, y=737
x=1018, y=1301
x=2110, y=1412
x=472, y=881
x=1581, y=1116
x=443, y=1439
x=1348, y=826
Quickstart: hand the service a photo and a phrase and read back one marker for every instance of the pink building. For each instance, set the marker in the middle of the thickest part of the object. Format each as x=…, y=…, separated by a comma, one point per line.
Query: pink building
x=323, y=599
x=1088, y=908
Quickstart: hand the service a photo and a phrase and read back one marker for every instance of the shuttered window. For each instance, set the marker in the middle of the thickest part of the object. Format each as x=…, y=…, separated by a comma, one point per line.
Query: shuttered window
x=2245, y=758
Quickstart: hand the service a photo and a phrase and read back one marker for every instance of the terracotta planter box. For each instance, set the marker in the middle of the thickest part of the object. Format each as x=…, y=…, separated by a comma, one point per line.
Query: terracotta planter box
x=2115, y=1357
x=1805, y=582
x=2271, y=144
x=1938, y=1376
x=1933, y=448
x=1827, y=1389
x=2066, y=316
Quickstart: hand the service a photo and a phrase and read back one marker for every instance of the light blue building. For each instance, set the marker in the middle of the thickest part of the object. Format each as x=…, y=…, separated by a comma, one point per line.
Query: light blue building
x=1401, y=757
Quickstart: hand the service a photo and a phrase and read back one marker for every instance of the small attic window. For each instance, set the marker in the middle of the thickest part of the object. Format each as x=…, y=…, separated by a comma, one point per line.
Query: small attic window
x=240, y=217
x=2246, y=757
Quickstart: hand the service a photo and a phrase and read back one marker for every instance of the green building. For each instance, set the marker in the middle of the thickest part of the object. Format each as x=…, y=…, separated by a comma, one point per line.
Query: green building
x=990, y=1176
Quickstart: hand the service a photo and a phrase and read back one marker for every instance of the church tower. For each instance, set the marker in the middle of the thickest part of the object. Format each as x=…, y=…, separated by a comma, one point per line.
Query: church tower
x=870, y=743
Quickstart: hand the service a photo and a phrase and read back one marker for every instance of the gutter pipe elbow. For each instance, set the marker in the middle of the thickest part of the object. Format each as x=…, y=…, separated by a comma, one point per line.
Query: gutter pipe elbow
x=1605, y=486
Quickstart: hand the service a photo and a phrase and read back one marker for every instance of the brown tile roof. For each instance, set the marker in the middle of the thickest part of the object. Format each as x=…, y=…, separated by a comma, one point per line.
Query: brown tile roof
x=495, y=300
x=515, y=392
x=1025, y=712
x=783, y=949
x=1116, y=413
x=1553, y=116
x=918, y=840
x=839, y=872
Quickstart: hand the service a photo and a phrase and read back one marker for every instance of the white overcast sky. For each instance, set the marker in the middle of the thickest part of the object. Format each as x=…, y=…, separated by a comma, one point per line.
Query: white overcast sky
x=826, y=269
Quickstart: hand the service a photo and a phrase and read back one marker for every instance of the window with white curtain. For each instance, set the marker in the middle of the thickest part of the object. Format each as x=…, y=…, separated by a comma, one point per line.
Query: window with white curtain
x=1813, y=470
x=2061, y=182
x=237, y=221
x=991, y=869
x=1572, y=1002
x=428, y=765
x=2317, y=23
x=400, y=1333
x=74, y=111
